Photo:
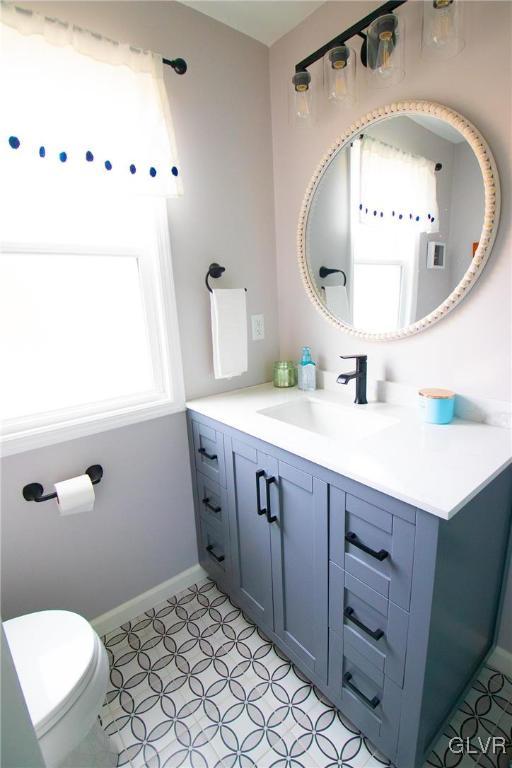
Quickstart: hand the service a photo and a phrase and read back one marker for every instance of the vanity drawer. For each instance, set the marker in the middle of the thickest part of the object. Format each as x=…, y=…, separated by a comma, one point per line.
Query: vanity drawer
x=375, y=627
x=209, y=452
x=373, y=545
x=213, y=548
x=364, y=694
x=211, y=499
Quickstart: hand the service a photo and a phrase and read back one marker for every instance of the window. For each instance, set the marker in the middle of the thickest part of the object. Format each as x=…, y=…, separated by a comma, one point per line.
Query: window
x=88, y=323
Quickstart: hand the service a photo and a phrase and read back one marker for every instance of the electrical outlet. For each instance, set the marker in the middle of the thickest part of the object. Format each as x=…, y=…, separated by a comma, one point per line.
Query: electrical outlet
x=258, y=327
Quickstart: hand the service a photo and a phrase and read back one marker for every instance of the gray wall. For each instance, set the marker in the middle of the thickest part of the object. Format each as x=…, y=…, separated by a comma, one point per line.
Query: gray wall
x=467, y=207
x=141, y=530
x=328, y=232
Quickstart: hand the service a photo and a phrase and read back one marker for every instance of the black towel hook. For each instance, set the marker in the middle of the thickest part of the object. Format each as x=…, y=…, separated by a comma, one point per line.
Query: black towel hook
x=325, y=271
x=34, y=491
x=214, y=270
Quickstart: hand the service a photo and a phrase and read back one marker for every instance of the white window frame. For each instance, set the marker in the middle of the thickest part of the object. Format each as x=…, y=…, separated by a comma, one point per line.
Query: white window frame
x=159, y=301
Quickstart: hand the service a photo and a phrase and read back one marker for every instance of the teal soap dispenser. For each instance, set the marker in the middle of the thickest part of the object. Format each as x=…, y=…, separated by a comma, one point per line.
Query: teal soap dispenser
x=306, y=371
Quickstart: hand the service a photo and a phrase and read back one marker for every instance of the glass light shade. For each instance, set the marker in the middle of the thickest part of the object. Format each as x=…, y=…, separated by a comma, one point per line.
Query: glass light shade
x=339, y=74
x=385, y=45
x=301, y=99
x=442, y=34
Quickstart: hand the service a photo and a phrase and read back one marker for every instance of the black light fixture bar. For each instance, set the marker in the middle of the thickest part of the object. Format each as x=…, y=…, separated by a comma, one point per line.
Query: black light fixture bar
x=355, y=29
x=179, y=65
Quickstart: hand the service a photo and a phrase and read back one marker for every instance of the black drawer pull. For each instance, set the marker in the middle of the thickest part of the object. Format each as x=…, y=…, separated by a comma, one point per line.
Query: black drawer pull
x=352, y=539
x=204, y=452
x=259, y=474
x=268, y=482
x=206, y=502
x=373, y=703
x=218, y=558
x=375, y=633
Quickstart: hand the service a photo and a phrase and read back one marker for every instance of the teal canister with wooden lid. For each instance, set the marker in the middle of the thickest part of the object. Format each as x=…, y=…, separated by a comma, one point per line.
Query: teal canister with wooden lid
x=437, y=405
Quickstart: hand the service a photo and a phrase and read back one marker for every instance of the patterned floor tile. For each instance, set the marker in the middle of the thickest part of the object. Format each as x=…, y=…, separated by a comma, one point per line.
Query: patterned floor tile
x=195, y=684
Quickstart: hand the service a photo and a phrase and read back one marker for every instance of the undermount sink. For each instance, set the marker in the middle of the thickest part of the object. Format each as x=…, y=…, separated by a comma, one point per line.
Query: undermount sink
x=338, y=422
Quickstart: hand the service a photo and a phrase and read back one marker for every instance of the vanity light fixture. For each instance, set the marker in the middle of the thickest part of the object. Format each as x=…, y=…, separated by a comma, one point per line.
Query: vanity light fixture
x=385, y=57
x=442, y=33
x=339, y=74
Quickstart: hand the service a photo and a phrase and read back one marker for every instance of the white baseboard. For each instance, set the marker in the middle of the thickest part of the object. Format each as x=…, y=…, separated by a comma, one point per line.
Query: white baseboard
x=501, y=659
x=112, y=619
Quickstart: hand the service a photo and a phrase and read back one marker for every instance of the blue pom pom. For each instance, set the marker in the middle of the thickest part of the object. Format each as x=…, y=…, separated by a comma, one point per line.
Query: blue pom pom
x=400, y=217
x=432, y=218
x=417, y=218
x=174, y=171
x=152, y=172
x=381, y=214
x=14, y=142
x=89, y=156
x=393, y=213
x=133, y=169
x=360, y=206
x=63, y=157
x=42, y=152
x=108, y=165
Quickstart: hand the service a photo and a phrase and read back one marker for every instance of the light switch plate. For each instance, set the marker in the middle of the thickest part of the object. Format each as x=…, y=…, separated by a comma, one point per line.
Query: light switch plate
x=258, y=327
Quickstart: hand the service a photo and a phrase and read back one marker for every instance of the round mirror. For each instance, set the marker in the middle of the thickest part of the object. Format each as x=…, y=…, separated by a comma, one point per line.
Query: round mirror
x=398, y=220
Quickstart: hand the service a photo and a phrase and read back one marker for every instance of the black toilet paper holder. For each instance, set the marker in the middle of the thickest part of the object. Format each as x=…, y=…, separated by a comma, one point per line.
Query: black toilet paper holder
x=34, y=491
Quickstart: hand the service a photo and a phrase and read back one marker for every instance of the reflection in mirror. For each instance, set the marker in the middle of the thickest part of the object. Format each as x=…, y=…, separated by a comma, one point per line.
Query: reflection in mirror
x=394, y=222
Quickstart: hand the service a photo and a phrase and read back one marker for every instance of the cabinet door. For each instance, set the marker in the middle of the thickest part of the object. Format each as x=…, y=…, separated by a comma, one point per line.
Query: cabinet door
x=300, y=566
x=249, y=532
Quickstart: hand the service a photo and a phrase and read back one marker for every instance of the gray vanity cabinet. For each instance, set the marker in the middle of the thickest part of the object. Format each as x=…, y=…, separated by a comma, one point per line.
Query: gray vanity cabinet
x=278, y=530
x=388, y=609
x=251, y=559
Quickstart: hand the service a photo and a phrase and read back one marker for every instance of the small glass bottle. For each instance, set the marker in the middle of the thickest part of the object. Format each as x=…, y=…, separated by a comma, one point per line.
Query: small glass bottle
x=284, y=373
x=307, y=371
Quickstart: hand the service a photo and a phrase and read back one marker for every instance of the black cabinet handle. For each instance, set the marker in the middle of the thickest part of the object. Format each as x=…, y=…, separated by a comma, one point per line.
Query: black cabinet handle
x=206, y=502
x=210, y=551
x=204, y=452
x=373, y=703
x=375, y=633
x=268, y=482
x=259, y=474
x=352, y=539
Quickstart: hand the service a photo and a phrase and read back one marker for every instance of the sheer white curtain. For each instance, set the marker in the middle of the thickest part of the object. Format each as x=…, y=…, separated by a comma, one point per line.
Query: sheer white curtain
x=78, y=108
x=396, y=187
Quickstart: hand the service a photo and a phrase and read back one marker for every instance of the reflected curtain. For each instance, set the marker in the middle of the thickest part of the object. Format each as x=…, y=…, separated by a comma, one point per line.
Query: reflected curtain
x=396, y=187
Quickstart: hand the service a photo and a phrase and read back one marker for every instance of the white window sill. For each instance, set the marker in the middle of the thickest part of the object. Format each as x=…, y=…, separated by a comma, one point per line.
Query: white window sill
x=71, y=429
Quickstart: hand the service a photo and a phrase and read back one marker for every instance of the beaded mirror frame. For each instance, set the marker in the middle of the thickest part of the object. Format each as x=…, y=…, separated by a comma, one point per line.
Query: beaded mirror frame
x=489, y=227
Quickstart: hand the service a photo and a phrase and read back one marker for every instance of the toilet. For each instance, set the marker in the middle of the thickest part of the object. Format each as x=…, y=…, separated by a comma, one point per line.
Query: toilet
x=62, y=667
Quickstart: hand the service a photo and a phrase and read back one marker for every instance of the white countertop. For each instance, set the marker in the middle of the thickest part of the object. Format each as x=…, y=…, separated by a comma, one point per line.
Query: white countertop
x=437, y=468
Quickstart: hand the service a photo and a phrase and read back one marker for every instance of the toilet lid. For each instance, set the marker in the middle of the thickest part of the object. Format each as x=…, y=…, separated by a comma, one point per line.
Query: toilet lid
x=54, y=653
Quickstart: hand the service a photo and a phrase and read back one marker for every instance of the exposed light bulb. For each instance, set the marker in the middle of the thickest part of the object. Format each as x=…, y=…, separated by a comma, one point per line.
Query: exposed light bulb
x=339, y=73
x=302, y=107
x=384, y=53
x=443, y=27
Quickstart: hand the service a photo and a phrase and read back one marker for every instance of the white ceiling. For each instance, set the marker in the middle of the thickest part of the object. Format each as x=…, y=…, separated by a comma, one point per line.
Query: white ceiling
x=434, y=124
x=264, y=20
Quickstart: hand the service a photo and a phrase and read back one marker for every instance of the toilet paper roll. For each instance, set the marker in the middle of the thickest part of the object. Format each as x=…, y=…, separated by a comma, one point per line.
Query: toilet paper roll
x=75, y=495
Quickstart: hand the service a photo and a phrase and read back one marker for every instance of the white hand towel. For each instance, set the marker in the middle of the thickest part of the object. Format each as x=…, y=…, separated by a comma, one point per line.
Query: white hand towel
x=229, y=332
x=336, y=299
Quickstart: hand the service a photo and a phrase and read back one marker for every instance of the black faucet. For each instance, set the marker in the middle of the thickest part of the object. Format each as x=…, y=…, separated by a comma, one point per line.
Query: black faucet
x=359, y=375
